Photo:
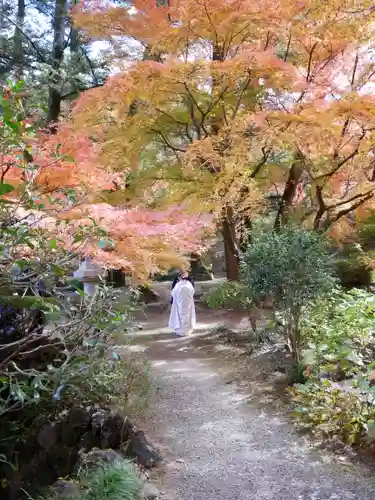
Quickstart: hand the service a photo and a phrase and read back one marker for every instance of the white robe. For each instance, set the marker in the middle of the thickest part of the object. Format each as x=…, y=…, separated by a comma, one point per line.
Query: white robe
x=182, y=319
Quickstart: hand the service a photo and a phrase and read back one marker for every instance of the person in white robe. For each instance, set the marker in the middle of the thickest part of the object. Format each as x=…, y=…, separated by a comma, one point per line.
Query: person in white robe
x=182, y=319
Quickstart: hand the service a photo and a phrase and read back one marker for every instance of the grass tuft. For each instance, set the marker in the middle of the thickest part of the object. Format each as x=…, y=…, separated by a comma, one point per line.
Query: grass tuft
x=116, y=481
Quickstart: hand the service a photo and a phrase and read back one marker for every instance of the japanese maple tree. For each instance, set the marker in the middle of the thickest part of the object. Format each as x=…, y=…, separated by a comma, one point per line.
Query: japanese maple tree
x=57, y=186
x=243, y=98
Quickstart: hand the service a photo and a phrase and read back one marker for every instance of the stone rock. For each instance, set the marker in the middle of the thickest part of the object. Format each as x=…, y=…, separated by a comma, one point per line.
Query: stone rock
x=115, y=431
x=142, y=450
x=63, y=459
x=150, y=492
x=49, y=435
x=89, y=441
x=90, y=460
x=34, y=475
x=97, y=421
x=74, y=426
x=65, y=490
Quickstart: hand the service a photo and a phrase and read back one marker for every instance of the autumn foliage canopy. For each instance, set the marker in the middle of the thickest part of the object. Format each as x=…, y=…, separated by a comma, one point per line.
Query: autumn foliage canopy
x=233, y=101
x=58, y=184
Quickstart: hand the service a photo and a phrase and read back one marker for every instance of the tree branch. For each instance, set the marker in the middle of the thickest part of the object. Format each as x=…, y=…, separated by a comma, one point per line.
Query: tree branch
x=34, y=46
x=80, y=89
x=321, y=207
x=346, y=211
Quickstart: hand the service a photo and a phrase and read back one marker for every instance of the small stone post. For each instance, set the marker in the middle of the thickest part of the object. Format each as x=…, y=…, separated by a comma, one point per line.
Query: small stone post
x=90, y=275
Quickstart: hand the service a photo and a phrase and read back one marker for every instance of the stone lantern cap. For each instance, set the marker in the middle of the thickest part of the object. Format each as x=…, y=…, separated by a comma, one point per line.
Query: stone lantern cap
x=89, y=271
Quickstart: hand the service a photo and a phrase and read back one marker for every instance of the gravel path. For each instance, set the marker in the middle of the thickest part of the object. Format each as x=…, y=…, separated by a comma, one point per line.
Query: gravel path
x=220, y=446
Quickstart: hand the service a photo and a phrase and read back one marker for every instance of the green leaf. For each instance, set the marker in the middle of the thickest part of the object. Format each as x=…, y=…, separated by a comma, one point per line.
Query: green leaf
x=18, y=85
x=6, y=188
x=355, y=358
x=18, y=393
x=58, y=270
x=29, y=302
x=309, y=357
x=330, y=368
x=52, y=243
x=21, y=264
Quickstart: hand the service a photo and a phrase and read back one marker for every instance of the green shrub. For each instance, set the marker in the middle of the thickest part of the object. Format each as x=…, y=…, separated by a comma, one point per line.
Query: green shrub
x=227, y=294
x=339, y=333
x=366, y=231
x=74, y=350
x=117, y=481
x=288, y=268
x=234, y=295
x=126, y=383
x=353, y=273
x=331, y=411
x=136, y=388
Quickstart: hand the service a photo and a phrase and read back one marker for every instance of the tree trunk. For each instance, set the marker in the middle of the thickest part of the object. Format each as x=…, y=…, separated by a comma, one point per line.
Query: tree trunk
x=74, y=33
x=230, y=246
x=228, y=226
x=18, y=39
x=294, y=334
x=246, y=232
x=59, y=23
x=294, y=177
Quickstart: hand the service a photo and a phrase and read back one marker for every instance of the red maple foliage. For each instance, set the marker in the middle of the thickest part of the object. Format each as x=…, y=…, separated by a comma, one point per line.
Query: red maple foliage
x=59, y=184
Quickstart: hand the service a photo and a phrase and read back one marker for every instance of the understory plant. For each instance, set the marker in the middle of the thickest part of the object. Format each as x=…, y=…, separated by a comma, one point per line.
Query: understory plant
x=330, y=410
x=338, y=399
x=232, y=294
x=339, y=333
x=288, y=269
x=227, y=294
x=108, y=481
x=70, y=361
x=117, y=481
x=57, y=345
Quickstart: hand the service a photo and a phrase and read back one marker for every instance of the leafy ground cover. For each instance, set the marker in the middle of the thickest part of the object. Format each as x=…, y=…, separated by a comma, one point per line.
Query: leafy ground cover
x=338, y=399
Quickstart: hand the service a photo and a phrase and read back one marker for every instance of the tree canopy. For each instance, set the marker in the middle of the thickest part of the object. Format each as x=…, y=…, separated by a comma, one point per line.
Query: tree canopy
x=235, y=101
x=59, y=186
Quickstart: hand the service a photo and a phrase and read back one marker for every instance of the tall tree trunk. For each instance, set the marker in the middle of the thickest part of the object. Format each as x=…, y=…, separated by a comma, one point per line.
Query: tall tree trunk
x=18, y=39
x=230, y=246
x=228, y=225
x=290, y=188
x=245, y=233
x=59, y=25
x=74, y=33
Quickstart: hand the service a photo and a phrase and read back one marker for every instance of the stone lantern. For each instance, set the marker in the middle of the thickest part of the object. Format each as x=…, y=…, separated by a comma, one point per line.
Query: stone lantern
x=90, y=274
